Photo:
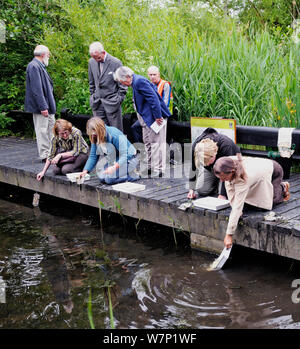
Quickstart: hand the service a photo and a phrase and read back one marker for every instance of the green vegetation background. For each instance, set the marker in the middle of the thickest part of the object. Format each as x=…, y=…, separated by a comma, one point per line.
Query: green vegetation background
x=247, y=68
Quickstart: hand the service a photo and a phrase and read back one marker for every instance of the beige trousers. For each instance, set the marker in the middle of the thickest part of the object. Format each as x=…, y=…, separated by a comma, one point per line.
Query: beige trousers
x=43, y=127
x=156, y=146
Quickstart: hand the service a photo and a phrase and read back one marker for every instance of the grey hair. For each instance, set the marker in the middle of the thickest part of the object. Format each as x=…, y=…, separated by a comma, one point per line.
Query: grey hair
x=153, y=68
x=40, y=50
x=96, y=47
x=122, y=73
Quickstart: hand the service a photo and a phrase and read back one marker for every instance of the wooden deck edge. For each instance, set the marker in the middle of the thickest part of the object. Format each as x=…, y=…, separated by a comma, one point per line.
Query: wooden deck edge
x=206, y=228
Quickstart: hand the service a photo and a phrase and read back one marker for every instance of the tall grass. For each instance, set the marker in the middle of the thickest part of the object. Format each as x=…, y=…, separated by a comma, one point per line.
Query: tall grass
x=216, y=67
x=249, y=79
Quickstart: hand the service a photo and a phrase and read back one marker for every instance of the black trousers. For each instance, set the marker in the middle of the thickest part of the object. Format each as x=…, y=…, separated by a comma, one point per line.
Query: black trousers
x=76, y=166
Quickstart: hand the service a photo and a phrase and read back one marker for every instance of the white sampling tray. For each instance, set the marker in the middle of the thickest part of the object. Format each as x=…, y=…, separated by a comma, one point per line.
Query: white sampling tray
x=129, y=187
x=211, y=203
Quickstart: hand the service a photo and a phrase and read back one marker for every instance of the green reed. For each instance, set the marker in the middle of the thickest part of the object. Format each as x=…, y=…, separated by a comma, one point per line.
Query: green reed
x=110, y=307
x=217, y=67
x=249, y=79
x=89, y=310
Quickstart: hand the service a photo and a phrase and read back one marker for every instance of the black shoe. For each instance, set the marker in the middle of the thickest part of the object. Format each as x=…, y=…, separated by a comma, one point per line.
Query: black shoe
x=44, y=160
x=145, y=173
x=156, y=174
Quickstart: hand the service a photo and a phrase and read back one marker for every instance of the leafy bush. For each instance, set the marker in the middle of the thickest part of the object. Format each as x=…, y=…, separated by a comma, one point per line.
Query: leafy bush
x=5, y=121
x=118, y=25
x=216, y=66
x=23, y=20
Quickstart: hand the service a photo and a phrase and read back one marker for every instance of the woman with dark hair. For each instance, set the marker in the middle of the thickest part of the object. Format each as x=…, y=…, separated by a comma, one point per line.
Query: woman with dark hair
x=68, y=151
x=255, y=181
x=113, y=155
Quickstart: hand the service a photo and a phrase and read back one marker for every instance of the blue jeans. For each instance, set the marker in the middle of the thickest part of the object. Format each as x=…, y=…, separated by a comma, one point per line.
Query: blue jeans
x=124, y=173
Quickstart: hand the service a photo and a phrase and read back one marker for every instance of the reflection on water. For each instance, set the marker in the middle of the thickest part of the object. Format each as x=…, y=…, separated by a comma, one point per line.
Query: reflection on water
x=141, y=285
x=50, y=262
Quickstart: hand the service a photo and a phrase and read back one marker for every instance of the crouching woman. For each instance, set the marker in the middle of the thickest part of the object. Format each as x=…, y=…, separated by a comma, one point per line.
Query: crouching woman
x=114, y=157
x=69, y=151
x=206, y=150
x=255, y=181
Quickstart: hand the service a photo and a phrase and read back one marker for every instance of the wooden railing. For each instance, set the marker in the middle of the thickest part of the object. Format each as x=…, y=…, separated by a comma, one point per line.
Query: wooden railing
x=181, y=132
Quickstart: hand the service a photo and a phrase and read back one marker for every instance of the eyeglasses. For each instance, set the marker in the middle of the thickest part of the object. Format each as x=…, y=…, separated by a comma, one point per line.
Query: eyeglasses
x=64, y=133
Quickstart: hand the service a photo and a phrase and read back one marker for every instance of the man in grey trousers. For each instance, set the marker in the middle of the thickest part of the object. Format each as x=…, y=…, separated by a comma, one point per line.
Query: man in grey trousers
x=107, y=94
x=151, y=112
x=39, y=99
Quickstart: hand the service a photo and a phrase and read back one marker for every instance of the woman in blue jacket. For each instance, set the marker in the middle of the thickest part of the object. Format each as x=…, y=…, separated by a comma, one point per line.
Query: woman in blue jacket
x=113, y=155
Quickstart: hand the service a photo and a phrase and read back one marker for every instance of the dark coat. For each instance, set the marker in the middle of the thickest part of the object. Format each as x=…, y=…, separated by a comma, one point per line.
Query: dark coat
x=226, y=147
x=39, y=89
x=103, y=88
x=148, y=102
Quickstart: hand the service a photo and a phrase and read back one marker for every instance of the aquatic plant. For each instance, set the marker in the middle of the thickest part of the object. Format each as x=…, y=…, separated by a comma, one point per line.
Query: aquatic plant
x=89, y=310
x=119, y=209
x=137, y=224
x=173, y=229
x=111, y=315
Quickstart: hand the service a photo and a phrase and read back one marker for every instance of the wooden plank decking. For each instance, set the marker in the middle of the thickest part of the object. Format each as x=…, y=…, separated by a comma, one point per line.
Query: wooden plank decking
x=159, y=203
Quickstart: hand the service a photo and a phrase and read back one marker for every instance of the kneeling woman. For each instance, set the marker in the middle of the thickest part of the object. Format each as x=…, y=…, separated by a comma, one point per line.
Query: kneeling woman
x=206, y=150
x=68, y=151
x=254, y=181
x=116, y=155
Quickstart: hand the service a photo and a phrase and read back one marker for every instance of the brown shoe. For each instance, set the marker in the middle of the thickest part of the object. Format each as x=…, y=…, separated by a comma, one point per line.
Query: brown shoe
x=286, y=191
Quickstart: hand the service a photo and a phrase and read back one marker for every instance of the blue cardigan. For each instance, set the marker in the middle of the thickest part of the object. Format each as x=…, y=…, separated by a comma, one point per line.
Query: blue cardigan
x=148, y=102
x=39, y=89
x=119, y=149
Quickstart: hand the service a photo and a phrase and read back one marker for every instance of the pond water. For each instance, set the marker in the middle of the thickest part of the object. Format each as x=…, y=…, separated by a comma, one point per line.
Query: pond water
x=51, y=264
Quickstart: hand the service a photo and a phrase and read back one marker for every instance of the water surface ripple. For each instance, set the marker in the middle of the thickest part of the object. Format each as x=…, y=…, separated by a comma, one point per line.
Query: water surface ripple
x=51, y=263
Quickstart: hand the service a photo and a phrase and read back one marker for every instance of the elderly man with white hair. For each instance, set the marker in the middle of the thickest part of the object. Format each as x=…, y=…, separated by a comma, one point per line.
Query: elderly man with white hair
x=39, y=99
x=107, y=95
x=163, y=89
x=151, y=112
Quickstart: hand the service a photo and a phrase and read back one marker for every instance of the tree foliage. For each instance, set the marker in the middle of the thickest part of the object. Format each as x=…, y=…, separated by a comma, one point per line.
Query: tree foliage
x=23, y=21
x=270, y=13
x=216, y=65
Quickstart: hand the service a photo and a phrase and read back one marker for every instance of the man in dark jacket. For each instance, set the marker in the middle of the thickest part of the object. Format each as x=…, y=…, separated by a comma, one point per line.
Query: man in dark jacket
x=107, y=94
x=39, y=99
x=152, y=113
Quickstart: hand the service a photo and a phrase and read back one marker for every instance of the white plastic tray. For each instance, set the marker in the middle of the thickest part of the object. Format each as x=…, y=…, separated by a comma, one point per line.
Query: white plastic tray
x=129, y=187
x=211, y=203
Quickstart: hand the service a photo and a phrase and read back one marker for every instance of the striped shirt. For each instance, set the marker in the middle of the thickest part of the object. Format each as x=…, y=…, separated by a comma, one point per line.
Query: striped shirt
x=75, y=143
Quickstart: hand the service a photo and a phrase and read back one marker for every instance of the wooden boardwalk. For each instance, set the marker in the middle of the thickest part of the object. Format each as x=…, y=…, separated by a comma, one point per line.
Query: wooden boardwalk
x=159, y=203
